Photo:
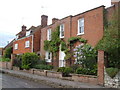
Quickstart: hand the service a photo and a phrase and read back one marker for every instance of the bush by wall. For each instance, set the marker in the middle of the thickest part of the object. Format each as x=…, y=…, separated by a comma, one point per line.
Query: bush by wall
x=43, y=67
x=65, y=70
x=4, y=59
x=29, y=60
x=8, y=52
x=112, y=71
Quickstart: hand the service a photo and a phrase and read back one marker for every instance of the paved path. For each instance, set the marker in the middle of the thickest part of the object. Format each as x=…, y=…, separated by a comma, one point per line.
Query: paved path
x=9, y=81
x=54, y=82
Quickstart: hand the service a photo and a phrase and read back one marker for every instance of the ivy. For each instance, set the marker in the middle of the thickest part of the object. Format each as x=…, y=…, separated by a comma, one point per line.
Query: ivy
x=74, y=39
x=46, y=45
x=53, y=44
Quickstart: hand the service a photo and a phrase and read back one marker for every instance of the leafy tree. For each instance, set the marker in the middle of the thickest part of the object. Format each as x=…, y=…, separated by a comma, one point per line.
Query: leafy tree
x=110, y=42
x=8, y=52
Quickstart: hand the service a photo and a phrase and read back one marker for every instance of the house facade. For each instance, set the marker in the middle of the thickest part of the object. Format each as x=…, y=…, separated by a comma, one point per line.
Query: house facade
x=29, y=40
x=88, y=25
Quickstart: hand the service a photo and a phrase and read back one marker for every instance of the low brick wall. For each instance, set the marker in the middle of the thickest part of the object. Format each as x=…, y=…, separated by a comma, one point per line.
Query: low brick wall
x=6, y=65
x=16, y=68
x=85, y=78
x=39, y=72
x=54, y=74
x=112, y=82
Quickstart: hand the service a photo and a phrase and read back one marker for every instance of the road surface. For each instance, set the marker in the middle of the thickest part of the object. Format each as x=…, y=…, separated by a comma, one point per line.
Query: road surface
x=8, y=81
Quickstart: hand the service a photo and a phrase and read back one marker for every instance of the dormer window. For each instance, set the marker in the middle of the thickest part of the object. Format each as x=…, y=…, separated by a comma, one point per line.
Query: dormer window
x=27, y=33
x=62, y=31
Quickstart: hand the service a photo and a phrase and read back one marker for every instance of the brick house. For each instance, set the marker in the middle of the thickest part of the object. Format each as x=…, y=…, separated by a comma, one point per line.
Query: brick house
x=88, y=25
x=29, y=40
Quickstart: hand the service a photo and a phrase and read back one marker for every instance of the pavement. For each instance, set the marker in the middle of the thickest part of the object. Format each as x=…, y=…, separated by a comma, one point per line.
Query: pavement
x=53, y=82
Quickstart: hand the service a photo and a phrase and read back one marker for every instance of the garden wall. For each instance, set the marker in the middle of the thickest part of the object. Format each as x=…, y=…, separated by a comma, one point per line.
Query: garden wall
x=5, y=65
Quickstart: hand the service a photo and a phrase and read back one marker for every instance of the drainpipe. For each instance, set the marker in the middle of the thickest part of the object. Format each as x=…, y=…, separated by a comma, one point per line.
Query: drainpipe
x=32, y=43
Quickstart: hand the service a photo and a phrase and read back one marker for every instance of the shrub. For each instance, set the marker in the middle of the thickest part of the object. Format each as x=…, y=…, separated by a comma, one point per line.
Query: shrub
x=18, y=61
x=65, y=70
x=74, y=67
x=26, y=66
x=86, y=71
x=43, y=67
x=81, y=70
x=5, y=59
x=8, y=52
x=29, y=60
x=112, y=71
x=42, y=62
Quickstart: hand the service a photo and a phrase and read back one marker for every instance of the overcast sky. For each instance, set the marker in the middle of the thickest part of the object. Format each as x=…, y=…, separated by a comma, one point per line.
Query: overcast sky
x=15, y=13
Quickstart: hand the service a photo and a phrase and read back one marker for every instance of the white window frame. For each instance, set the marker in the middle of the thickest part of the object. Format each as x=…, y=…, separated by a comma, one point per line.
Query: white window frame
x=16, y=46
x=80, y=26
x=27, y=44
x=27, y=33
x=48, y=56
x=62, y=31
x=49, y=34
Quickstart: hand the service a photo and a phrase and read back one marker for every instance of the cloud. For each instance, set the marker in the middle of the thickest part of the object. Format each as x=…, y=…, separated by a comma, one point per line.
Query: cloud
x=5, y=38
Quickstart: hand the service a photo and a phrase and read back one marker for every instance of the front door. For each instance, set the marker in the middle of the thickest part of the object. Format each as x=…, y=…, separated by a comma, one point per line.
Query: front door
x=61, y=58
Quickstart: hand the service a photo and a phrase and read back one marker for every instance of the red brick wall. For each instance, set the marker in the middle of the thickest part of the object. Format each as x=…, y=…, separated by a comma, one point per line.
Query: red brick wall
x=36, y=40
x=93, y=25
x=21, y=45
x=100, y=67
x=66, y=22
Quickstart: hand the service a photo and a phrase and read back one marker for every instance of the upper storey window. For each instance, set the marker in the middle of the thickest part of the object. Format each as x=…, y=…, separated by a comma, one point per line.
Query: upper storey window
x=62, y=31
x=80, y=26
x=49, y=34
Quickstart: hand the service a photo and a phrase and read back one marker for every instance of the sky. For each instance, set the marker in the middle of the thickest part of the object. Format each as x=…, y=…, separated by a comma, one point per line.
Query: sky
x=15, y=13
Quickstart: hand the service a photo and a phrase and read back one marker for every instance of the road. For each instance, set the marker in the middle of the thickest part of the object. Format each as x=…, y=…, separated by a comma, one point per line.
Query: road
x=14, y=82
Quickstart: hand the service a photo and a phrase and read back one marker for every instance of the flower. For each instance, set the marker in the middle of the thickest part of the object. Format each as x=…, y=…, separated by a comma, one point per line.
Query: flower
x=75, y=55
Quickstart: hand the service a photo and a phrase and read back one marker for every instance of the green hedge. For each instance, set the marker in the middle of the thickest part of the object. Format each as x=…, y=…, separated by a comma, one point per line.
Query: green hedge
x=112, y=71
x=65, y=70
x=43, y=67
x=5, y=59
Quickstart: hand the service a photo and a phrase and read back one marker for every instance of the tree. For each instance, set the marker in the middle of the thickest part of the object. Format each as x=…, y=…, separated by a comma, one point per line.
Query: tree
x=110, y=42
x=8, y=52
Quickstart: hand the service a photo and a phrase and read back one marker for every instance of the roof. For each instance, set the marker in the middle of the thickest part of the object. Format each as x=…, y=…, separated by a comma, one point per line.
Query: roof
x=9, y=44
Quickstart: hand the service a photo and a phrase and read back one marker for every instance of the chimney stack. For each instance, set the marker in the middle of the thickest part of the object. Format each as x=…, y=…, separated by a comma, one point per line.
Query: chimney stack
x=114, y=1
x=44, y=20
x=54, y=20
x=24, y=28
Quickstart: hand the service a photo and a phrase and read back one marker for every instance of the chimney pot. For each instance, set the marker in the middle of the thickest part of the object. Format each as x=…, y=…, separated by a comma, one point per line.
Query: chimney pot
x=54, y=20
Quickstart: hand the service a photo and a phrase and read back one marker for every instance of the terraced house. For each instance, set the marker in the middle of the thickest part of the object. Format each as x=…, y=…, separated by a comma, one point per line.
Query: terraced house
x=29, y=40
x=88, y=25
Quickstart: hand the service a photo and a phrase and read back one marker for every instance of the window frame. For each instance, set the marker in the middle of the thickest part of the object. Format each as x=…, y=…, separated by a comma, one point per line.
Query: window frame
x=16, y=46
x=81, y=24
x=27, y=44
x=62, y=30
x=49, y=34
x=47, y=55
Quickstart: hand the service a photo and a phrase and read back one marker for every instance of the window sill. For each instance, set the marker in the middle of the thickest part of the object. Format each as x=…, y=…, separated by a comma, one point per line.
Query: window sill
x=48, y=60
x=80, y=33
x=62, y=37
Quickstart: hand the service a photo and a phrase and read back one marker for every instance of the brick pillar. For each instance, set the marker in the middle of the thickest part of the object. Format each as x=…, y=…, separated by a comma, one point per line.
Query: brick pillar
x=12, y=60
x=101, y=67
